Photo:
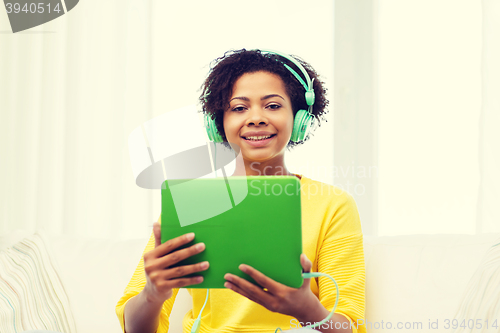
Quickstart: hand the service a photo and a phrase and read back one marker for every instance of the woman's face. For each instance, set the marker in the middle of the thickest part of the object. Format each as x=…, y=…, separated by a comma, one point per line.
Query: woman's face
x=260, y=117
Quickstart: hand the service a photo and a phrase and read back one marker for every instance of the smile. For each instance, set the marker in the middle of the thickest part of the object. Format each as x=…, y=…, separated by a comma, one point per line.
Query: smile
x=258, y=138
x=258, y=141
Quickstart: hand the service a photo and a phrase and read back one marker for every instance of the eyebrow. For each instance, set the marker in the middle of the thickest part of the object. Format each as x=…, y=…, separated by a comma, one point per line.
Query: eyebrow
x=263, y=98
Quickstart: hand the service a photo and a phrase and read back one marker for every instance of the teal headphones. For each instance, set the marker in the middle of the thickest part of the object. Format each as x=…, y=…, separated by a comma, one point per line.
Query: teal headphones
x=303, y=119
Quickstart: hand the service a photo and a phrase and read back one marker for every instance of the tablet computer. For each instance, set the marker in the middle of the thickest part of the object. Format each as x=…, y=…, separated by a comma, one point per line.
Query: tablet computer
x=255, y=220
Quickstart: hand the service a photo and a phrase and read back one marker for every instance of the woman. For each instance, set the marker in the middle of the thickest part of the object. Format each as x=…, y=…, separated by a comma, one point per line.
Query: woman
x=253, y=99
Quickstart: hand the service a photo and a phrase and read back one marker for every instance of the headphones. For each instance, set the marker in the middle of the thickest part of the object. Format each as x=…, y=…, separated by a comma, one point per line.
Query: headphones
x=303, y=119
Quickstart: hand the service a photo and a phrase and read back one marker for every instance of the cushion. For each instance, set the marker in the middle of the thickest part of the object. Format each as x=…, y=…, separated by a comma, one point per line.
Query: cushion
x=95, y=273
x=479, y=310
x=419, y=278
x=31, y=293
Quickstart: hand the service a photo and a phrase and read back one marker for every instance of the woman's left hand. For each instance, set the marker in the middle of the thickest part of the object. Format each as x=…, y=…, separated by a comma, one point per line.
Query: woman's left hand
x=278, y=297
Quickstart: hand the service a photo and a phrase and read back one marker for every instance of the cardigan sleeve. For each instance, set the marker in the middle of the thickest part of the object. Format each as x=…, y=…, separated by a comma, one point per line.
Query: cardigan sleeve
x=341, y=256
x=135, y=286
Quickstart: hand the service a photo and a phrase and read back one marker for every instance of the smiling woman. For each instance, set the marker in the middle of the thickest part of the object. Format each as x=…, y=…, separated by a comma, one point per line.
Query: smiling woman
x=259, y=104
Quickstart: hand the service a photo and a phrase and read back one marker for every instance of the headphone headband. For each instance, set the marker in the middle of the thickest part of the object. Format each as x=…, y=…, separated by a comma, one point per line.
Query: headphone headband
x=310, y=96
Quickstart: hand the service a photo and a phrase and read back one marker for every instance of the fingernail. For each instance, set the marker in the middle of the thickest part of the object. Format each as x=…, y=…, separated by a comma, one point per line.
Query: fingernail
x=204, y=264
x=190, y=236
x=227, y=285
x=200, y=246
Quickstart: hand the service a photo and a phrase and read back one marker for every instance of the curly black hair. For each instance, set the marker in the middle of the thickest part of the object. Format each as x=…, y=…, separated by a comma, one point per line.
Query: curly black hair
x=226, y=70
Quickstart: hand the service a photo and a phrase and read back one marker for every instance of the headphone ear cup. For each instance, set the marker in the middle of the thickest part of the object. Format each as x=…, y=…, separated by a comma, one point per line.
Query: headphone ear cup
x=212, y=132
x=310, y=97
x=301, y=125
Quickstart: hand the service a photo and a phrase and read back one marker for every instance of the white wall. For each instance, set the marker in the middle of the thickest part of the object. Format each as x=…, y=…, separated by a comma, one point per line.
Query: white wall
x=429, y=81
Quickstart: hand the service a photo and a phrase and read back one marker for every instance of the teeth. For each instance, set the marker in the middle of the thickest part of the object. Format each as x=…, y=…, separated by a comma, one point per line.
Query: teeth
x=256, y=138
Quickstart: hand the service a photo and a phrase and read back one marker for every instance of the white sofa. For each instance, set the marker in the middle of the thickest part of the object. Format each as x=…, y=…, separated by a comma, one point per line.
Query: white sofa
x=409, y=279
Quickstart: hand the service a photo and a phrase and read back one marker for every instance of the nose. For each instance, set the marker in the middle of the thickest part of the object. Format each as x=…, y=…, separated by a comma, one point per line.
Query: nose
x=256, y=117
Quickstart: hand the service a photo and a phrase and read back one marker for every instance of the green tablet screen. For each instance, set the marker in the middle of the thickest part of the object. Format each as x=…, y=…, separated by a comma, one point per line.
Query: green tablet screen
x=255, y=220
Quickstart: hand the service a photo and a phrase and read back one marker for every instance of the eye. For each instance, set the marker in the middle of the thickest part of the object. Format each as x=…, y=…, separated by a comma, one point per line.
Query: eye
x=238, y=109
x=274, y=106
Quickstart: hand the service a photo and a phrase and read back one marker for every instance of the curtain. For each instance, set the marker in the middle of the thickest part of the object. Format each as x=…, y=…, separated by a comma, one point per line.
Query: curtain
x=71, y=91
x=489, y=124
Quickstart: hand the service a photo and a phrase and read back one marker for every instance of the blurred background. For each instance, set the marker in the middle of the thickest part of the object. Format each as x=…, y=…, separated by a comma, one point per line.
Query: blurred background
x=412, y=131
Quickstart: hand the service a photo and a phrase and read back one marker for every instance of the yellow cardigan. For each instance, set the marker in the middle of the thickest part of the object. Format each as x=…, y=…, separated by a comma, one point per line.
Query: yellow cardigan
x=332, y=240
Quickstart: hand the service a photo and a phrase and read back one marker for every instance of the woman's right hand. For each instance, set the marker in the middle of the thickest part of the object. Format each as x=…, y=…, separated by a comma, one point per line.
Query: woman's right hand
x=160, y=277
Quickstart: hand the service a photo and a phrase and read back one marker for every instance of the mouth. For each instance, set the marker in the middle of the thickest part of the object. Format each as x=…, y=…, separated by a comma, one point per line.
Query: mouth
x=258, y=138
x=258, y=141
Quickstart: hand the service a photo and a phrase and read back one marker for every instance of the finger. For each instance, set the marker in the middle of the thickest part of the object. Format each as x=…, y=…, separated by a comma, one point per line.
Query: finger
x=172, y=245
x=306, y=268
x=305, y=263
x=248, y=289
x=157, y=233
x=240, y=291
x=179, y=255
x=180, y=271
x=261, y=279
x=179, y=283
